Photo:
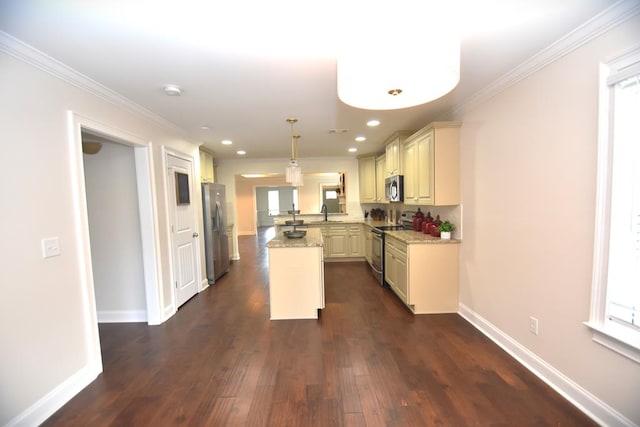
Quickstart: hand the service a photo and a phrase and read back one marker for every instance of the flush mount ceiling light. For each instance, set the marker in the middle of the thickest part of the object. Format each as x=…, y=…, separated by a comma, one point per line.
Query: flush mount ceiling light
x=373, y=123
x=226, y=142
x=360, y=138
x=408, y=64
x=172, y=90
x=293, y=173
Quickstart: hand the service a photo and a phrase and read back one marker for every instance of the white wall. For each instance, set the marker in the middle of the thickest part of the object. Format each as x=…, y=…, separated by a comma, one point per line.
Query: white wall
x=114, y=228
x=528, y=189
x=47, y=354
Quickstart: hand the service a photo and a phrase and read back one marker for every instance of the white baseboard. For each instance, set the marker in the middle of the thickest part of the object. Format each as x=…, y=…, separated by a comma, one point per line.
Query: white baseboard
x=37, y=413
x=595, y=408
x=121, y=316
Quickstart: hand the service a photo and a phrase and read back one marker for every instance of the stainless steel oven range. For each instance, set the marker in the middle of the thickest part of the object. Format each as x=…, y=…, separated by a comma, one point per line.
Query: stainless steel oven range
x=377, y=250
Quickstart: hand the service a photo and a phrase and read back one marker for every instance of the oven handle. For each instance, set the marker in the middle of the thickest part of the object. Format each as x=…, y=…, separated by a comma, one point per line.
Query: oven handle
x=373, y=267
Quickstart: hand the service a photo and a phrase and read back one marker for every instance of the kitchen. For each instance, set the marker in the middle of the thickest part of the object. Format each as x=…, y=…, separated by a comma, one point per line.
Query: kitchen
x=527, y=176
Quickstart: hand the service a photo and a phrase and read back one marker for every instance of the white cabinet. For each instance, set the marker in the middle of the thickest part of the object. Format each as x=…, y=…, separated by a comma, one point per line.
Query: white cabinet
x=367, y=243
x=206, y=167
x=431, y=165
x=395, y=267
x=355, y=236
x=424, y=276
x=381, y=164
x=393, y=156
x=342, y=240
x=367, y=178
x=296, y=281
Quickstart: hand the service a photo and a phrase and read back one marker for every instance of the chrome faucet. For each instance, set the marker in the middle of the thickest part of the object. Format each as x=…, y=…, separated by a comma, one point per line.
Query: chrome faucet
x=323, y=209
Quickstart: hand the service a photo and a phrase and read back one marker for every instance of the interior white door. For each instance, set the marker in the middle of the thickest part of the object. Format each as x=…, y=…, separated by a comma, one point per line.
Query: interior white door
x=183, y=228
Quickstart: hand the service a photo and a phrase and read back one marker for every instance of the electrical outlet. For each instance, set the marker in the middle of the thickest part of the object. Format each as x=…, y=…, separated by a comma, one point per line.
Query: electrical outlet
x=50, y=247
x=533, y=325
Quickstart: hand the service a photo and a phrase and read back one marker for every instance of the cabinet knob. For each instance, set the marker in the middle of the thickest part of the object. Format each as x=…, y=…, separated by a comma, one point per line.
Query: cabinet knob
x=195, y=234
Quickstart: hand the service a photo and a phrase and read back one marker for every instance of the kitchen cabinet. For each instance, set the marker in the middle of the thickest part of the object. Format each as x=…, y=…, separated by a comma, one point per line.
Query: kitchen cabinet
x=395, y=267
x=367, y=243
x=207, y=173
x=296, y=276
x=342, y=240
x=431, y=165
x=381, y=164
x=367, y=178
x=393, y=157
x=424, y=276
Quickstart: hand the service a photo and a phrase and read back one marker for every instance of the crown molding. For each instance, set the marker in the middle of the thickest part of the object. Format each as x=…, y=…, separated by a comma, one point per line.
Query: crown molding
x=611, y=17
x=32, y=56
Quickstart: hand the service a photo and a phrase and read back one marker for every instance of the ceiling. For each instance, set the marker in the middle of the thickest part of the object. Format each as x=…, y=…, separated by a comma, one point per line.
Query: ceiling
x=245, y=66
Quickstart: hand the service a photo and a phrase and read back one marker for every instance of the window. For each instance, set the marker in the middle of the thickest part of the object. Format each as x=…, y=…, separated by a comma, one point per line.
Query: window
x=273, y=202
x=615, y=307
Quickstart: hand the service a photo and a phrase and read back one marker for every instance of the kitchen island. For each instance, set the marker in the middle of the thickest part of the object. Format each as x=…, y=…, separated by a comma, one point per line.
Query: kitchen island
x=296, y=276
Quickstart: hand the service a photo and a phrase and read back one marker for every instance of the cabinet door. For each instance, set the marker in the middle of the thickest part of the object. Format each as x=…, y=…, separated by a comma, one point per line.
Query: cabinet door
x=424, y=169
x=355, y=241
x=206, y=167
x=367, y=178
x=389, y=265
x=392, y=155
x=402, y=283
x=338, y=245
x=410, y=178
x=381, y=164
x=367, y=245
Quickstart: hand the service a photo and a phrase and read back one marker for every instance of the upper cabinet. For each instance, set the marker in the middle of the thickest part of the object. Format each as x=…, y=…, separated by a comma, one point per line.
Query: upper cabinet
x=431, y=165
x=206, y=167
x=367, y=178
x=394, y=160
x=381, y=164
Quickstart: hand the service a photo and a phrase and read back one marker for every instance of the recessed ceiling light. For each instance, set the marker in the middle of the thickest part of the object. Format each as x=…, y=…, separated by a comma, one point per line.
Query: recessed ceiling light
x=172, y=90
x=353, y=149
x=373, y=123
x=226, y=142
x=241, y=152
x=204, y=127
x=360, y=138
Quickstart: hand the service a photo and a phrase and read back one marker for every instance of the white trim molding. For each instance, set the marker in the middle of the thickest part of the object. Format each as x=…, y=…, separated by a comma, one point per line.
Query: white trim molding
x=614, y=15
x=30, y=55
x=122, y=316
x=595, y=408
x=37, y=413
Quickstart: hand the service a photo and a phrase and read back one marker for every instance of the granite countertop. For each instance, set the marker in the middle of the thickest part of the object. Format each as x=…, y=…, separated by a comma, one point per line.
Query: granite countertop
x=415, y=237
x=312, y=239
x=407, y=236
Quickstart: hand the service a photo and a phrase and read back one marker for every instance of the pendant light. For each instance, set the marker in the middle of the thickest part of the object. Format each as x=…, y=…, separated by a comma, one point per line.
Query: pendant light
x=294, y=172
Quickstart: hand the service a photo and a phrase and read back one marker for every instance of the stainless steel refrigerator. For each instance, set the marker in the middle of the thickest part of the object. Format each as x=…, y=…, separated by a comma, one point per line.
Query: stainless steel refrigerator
x=216, y=244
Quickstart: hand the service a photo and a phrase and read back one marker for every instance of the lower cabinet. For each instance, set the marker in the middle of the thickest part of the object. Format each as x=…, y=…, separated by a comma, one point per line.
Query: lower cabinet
x=342, y=241
x=424, y=276
x=296, y=282
x=367, y=244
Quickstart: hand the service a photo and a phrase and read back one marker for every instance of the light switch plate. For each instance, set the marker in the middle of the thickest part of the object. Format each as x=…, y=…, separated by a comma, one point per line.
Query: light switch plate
x=50, y=247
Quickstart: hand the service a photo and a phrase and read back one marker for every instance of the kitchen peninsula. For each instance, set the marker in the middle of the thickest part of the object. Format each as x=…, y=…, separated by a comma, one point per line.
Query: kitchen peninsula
x=296, y=276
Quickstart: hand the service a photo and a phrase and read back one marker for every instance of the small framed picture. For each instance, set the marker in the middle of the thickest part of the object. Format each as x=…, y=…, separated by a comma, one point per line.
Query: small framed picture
x=182, y=188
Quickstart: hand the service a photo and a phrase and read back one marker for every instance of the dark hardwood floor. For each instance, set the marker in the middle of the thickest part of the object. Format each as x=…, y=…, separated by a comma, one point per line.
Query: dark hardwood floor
x=367, y=361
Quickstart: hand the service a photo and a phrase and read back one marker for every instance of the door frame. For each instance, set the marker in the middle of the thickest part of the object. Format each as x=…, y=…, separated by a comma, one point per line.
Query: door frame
x=195, y=197
x=148, y=225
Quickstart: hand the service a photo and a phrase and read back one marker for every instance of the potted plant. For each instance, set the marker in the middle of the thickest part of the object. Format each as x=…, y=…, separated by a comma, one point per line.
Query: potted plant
x=445, y=230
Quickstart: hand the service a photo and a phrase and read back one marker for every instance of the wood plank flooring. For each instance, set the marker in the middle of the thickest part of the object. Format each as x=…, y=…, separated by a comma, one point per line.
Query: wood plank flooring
x=367, y=361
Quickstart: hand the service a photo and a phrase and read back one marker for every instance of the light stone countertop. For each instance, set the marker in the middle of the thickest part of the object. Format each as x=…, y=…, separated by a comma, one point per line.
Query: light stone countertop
x=407, y=236
x=312, y=239
x=411, y=237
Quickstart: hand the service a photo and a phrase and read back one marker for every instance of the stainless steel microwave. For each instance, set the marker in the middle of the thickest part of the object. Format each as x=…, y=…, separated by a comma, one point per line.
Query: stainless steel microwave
x=394, y=188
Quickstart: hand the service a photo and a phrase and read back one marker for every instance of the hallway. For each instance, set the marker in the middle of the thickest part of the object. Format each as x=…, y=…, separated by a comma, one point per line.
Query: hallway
x=367, y=361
